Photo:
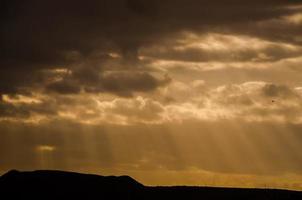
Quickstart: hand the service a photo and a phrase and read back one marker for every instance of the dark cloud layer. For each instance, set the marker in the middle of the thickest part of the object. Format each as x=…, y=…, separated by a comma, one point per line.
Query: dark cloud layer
x=120, y=83
x=38, y=35
x=23, y=110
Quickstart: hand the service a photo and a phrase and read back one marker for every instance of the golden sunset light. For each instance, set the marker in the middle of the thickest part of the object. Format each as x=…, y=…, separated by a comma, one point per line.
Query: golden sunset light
x=171, y=92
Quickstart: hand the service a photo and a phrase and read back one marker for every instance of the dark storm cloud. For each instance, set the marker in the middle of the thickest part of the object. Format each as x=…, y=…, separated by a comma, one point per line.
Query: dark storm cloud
x=38, y=35
x=273, y=90
x=64, y=87
x=122, y=83
x=22, y=110
x=9, y=110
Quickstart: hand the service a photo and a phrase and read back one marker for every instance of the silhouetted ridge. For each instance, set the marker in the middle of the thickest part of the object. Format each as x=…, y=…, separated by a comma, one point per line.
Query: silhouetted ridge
x=44, y=184
x=54, y=175
x=10, y=174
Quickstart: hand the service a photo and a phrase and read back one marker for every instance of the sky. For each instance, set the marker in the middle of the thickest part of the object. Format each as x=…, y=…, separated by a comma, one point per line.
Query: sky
x=170, y=92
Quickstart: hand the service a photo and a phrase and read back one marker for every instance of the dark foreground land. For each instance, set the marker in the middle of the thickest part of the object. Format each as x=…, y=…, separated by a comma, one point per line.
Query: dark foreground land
x=68, y=185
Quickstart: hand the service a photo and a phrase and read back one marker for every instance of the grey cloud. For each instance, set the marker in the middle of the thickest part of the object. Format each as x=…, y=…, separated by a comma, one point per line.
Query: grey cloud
x=276, y=29
x=123, y=83
x=8, y=110
x=126, y=82
x=276, y=91
x=20, y=111
x=260, y=101
x=64, y=87
x=249, y=93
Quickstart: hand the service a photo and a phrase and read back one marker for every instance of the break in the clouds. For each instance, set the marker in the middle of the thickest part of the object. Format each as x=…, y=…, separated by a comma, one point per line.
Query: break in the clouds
x=192, y=88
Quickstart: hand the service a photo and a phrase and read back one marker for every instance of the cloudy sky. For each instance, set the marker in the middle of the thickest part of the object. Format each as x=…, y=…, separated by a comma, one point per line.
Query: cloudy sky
x=190, y=92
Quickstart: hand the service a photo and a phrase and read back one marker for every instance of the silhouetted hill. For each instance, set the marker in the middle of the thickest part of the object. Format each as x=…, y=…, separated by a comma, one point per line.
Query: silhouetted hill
x=70, y=185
